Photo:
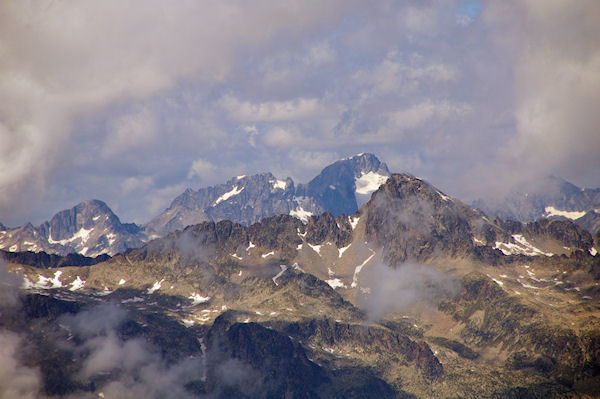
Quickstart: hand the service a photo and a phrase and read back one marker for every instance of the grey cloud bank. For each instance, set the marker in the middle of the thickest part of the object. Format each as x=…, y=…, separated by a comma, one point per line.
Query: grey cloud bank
x=132, y=103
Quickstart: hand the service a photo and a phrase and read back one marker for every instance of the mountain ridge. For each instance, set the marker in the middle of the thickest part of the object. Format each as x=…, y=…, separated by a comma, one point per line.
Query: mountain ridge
x=551, y=197
x=414, y=295
x=89, y=228
x=339, y=188
x=244, y=199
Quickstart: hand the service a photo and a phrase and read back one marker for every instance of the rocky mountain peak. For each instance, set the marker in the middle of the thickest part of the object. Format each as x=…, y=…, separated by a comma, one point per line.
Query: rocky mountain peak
x=84, y=215
x=411, y=219
x=342, y=185
x=243, y=199
x=89, y=228
x=247, y=199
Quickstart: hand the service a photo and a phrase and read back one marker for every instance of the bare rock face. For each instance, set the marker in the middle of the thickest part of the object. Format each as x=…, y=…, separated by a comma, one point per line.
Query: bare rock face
x=329, y=333
x=327, y=228
x=282, y=368
x=249, y=199
x=44, y=260
x=412, y=220
x=336, y=188
x=568, y=233
x=243, y=199
x=90, y=228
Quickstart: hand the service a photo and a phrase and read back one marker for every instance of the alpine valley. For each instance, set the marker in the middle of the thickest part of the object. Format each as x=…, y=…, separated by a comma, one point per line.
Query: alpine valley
x=359, y=284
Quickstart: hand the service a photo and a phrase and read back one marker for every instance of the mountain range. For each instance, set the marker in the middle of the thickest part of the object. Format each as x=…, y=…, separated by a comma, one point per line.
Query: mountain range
x=91, y=228
x=551, y=197
x=414, y=295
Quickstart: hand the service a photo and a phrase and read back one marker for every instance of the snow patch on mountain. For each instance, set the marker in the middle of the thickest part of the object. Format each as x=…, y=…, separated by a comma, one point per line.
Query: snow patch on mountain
x=77, y=284
x=342, y=250
x=300, y=213
x=335, y=283
x=283, y=269
x=357, y=271
x=49, y=282
x=198, y=299
x=521, y=246
x=155, y=287
x=316, y=248
x=278, y=184
x=552, y=211
x=83, y=234
x=369, y=182
x=233, y=192
x=354, y=222
x=444, y=196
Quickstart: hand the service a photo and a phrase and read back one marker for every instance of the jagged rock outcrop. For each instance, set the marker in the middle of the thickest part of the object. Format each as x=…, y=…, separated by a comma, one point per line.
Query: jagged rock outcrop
x=336, y=188
x=243, y=199
x=329, y=333
x=249, y=199
x=492, y=317
x=44, y=260
x=568, y=233
x=89, y=228
x=412, y=220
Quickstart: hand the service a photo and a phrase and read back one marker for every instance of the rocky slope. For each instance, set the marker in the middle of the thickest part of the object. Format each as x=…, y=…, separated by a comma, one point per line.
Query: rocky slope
x=415, y=295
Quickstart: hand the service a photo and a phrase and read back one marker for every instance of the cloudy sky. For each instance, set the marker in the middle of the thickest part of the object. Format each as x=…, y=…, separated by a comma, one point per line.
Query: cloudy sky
x=132, y=102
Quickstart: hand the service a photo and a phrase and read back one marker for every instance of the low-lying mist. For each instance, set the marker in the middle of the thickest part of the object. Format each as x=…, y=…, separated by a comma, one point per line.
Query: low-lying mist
x=393, y=290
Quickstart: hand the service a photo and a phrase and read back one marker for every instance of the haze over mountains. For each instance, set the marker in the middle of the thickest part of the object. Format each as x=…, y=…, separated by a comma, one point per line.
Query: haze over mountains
x=545, y=198
x=92, y=229
x=414, y=295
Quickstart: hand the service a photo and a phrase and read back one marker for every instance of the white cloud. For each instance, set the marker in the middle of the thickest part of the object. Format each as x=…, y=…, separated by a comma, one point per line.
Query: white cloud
x=63, y=62
x=16, y=379
x=288, y=86
x=281, y=138
x=252, y=133
x=558, y=88
x=319, y=54
x=557, y=94
x=201, y=168
x=404, y=75
x=419, y=19
x=130, y=131
x=418, y=114
x=136, y=184
x=312, y=161
x=161, y=198
x=273, y=111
